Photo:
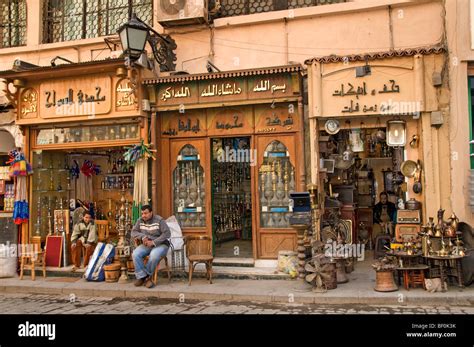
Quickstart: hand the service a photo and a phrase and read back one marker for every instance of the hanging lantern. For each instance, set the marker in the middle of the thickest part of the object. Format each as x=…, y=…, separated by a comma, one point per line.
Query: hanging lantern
x=397, y=135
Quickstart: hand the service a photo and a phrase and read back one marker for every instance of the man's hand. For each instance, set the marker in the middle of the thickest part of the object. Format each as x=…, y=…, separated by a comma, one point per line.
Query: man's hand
x=73, y=245
x=149, y=243
x=87, y=245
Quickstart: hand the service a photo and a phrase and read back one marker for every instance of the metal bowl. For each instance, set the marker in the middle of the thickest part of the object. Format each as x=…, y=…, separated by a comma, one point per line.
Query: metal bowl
x=408, y=168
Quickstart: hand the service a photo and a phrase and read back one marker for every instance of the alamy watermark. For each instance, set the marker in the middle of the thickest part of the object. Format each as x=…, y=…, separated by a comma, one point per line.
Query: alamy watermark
x=12, y=250
x=78, y=108
x=28, y=329
x=241, y=155
x=392, y=107
x=332, y=249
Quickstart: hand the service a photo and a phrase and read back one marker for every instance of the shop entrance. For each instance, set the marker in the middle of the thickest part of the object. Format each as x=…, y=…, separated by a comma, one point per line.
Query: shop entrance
x=68, y=182
x=231, y=197
x=359, y=166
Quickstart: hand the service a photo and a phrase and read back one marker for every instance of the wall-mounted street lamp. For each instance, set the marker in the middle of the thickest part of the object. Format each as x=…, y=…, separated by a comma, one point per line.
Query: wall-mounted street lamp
x=396, y=133
x=135, y=34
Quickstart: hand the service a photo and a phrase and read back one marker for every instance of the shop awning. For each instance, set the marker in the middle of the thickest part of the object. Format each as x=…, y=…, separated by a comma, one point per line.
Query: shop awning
x=435, y=49
x=224, y=74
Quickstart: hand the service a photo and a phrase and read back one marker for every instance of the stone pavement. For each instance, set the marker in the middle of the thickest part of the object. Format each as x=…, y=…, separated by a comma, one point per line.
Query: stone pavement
x=62, y=304
x=359, y=290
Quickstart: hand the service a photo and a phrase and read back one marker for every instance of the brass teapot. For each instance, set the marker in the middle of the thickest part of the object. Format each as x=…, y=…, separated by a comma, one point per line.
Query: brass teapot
x=454, y=221
x=430, y=227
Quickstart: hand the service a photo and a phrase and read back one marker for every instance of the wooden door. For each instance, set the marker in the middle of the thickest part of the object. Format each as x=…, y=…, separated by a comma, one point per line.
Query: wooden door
x=276, y=175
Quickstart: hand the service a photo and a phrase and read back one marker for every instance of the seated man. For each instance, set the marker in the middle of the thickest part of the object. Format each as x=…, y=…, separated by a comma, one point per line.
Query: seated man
x=384, y=215
x=84, y=236
x=154, y=234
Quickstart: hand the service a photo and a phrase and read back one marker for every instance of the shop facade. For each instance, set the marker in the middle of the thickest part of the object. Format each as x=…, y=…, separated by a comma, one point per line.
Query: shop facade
x=77, y=121
x=8, y=142
x=374, y=121
x=230, y=149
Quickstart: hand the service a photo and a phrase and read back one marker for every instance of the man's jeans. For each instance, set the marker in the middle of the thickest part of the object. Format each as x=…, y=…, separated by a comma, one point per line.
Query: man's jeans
x=155, y=254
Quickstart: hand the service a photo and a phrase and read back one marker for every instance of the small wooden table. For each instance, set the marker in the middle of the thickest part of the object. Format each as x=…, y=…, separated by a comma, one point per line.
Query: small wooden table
x=406, y=260
x=412, y=275
x=445, y=267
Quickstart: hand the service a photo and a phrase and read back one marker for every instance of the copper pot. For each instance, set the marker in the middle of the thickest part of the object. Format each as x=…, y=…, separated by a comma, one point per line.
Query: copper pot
x=450, y=231
x=384, y=281
x=341, y=271
x=413, y=204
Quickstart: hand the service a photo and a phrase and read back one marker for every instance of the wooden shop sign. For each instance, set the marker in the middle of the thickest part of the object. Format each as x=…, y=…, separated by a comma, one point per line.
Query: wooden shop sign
x=388, y=90
x=281, y=118
x=268, y=86
x=74, y=97
x=189, y=124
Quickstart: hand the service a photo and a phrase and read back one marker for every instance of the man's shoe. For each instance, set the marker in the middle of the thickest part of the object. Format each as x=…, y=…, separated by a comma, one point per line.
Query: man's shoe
x=139, y=282
x=149, y=283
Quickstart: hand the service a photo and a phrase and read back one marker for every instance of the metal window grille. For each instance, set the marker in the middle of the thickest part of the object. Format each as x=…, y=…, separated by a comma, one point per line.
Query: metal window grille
x=231, y=8
x=13, y=23
x=65, y=20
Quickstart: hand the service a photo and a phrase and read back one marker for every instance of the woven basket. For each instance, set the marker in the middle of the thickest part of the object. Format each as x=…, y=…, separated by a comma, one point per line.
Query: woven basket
x=112, y=272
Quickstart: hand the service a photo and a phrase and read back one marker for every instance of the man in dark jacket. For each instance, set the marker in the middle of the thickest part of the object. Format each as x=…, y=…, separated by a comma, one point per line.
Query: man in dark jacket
x=384, y=215
x=153, y=233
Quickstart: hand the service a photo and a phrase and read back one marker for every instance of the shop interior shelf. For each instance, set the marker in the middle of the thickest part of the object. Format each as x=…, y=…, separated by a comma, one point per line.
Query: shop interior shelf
x=115, y=189
x=117, y=174
x=51, y=169
x=447, y=237
x=377, y=158
x=51, y=191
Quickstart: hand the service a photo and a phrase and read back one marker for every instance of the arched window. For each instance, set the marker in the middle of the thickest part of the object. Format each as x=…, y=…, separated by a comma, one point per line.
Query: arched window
x=276, y=182
x=189, y=189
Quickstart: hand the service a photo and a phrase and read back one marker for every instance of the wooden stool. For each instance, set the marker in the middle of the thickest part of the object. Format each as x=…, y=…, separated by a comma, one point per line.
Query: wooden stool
x=29, y=262
x=413, y=275
x=157, y=269
x=103, y=232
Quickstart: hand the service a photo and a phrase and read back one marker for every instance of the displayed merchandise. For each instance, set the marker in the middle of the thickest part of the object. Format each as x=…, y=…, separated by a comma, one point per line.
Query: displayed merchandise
x=276, y=183
x=103, y=255
x=189, y=189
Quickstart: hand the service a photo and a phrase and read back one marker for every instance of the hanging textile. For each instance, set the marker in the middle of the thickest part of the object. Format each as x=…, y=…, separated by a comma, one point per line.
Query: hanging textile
x=138, y=156
x=20, y=207
x=19, y=169
x=19, y=166
x=85, y=189
x=140, y=188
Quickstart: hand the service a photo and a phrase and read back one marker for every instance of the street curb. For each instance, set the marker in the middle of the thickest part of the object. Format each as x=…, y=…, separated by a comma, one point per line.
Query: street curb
x=273, y=298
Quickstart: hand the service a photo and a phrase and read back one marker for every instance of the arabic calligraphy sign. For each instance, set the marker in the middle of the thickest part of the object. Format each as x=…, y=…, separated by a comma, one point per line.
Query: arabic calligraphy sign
x=125, y=98
x=230, y=121
x=272, y=86
x=73, y=97
x=282, y=118
x=29, y=103
x=378, y=93
x=189, y=124
x=220, y=89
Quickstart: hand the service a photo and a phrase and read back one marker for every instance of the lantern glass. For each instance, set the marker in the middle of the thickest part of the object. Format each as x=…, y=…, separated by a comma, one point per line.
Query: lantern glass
x=397, y=136
x=133, y=36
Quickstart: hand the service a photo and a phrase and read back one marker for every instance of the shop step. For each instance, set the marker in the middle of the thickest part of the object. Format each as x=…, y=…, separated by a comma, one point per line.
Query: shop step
x=229, y=272
x=234, y=262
